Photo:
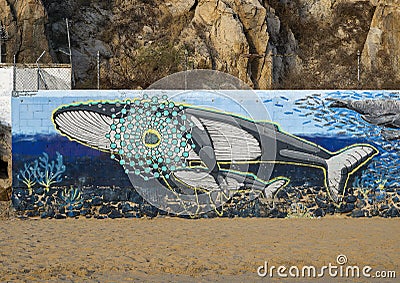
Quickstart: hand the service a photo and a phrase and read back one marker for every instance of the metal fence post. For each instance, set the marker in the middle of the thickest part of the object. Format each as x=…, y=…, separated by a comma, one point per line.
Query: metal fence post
x=98, y=69
x=70, y=53
x=14, y=73
x=38, y=70
x=358, y=65
x=38, y=78
x=186, y=67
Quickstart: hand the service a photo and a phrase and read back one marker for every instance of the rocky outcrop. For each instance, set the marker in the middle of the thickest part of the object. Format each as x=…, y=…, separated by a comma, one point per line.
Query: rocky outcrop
x=253, y=17
x=178, y=7
x=282, y=46
x=232, y=36
x=320, y=11
x=220, y=27
x=25, y=23
x=329, y=34
x=381, y=53
x=86, y=20
x=274, y=43
x=226, y=35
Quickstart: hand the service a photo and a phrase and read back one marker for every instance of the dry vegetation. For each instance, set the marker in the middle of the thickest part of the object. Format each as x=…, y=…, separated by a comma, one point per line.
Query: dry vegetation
x=145, y=45
x=329, y=52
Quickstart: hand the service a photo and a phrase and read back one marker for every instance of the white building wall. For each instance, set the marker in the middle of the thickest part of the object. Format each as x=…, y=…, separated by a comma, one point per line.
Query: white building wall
x=6, y=87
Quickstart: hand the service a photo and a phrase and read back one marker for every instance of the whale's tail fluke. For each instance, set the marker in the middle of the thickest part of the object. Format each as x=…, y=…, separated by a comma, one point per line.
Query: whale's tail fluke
x=341, y=165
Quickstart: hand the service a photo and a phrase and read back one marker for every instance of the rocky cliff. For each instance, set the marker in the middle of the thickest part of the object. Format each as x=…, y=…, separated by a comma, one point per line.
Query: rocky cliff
x=25, y=23
x=381, y=52
x=274, y=43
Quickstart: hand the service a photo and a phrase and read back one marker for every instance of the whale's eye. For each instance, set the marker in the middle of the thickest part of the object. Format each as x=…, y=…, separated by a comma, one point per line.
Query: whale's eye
x=151, y=138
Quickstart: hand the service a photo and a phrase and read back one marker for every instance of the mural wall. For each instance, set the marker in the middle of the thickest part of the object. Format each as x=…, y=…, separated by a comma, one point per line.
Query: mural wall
x=112, y=154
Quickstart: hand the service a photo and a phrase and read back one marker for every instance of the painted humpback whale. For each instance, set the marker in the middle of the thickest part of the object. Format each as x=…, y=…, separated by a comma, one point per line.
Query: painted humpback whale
x=380, y=112
x=198, y=151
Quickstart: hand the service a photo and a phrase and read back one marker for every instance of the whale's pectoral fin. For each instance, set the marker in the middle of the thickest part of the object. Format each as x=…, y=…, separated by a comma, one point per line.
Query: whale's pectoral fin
x=203, y=181
x=340, y=166
x=87, y=127
x=201, y=178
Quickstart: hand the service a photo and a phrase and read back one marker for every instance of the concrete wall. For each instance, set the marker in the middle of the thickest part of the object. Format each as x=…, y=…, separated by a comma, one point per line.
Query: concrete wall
x=6, y=87
x=206, y=153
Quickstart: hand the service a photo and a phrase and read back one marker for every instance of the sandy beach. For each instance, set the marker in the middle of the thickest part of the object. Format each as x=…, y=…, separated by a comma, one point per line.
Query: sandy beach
x=182, y=250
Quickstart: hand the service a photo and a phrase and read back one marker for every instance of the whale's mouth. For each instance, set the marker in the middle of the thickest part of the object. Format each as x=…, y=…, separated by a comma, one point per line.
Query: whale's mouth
x=84, y=126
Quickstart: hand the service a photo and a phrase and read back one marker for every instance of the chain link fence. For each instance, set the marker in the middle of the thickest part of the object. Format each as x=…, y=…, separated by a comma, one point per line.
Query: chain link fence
x=34, y=77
